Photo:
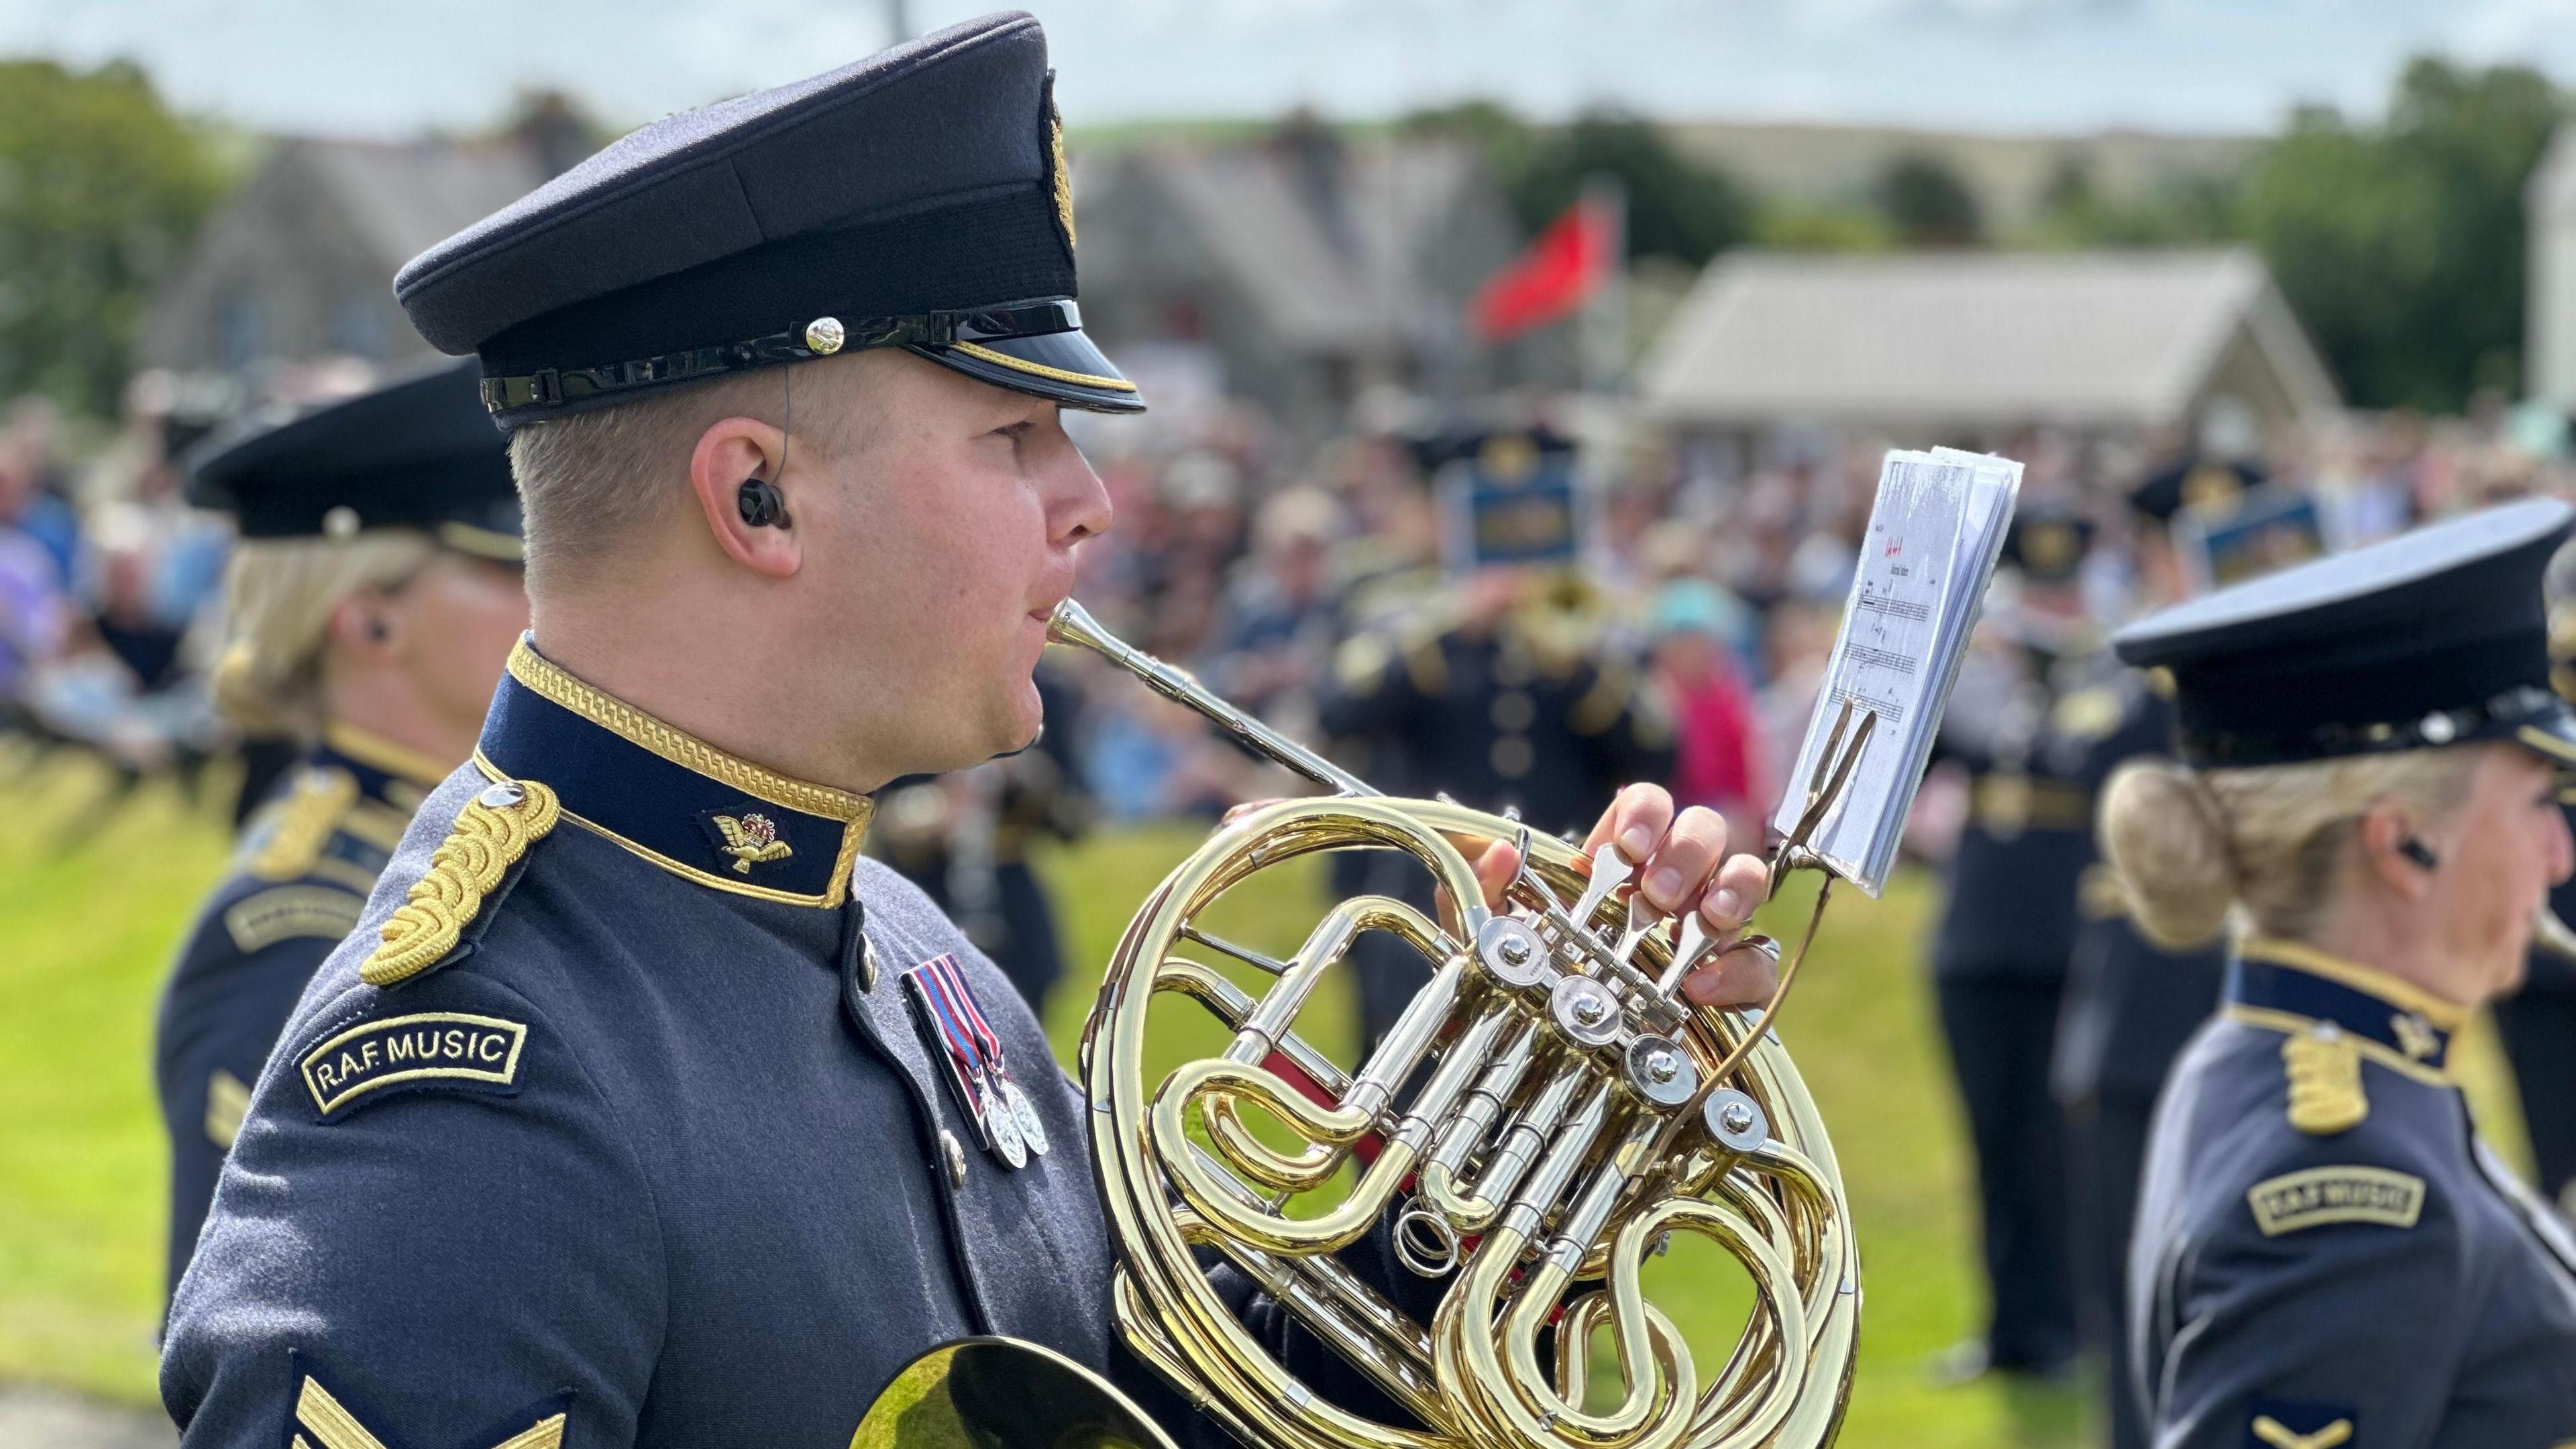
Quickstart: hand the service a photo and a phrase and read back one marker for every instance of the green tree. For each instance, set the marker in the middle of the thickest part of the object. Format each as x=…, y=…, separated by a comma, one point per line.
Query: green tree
x=1927, y=203
x=2184, y=211
x=1678, y=207
x=100, y=188
x=2401, y=245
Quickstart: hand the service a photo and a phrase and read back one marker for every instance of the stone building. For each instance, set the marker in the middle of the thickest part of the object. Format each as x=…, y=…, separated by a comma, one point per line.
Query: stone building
x=298, y=265
x=1300, y=271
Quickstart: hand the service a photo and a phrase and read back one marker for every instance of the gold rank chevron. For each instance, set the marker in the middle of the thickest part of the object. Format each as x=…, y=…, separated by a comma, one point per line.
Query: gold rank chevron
x=334, y=1427
x=2273, y=1432
x=491, y=833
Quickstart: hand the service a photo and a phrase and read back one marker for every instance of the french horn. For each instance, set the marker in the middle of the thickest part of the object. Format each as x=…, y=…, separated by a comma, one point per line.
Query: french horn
x=1545, y=1113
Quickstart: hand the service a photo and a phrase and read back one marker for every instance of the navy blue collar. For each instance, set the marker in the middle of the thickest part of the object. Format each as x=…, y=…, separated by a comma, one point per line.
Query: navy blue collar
x=2284, y=978
x=676, y=800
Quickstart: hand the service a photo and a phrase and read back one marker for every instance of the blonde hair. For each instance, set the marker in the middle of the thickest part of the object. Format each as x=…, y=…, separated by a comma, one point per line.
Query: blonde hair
x=2264, y=845
x=279, y=594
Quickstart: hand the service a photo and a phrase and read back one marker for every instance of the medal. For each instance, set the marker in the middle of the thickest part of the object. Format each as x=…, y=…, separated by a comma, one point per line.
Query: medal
x=1025, y=1112
x=1004, y=1124
x=1008, y=1097
x=996, y=1124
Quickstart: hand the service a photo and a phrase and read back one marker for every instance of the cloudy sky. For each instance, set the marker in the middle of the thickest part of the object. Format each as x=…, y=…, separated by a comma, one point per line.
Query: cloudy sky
x=358, y=66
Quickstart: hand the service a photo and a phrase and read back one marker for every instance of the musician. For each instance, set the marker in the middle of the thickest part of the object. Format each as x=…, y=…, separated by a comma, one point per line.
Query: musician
x=2326, y=1255
x=628, y=1114
x=1506, y=687
x=2537, y=1025
x=2130, y=1006
x=371, y=599
x=2031, y=708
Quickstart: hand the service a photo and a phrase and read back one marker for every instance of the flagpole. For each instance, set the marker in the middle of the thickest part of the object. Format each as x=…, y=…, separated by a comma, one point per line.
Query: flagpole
x=1603, y=329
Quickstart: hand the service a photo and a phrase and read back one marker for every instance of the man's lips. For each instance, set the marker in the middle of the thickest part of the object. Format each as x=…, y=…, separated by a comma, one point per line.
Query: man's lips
x=1045, y=612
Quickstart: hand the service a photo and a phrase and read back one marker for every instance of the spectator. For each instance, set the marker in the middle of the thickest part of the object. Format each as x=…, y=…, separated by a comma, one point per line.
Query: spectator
x=1720, y=758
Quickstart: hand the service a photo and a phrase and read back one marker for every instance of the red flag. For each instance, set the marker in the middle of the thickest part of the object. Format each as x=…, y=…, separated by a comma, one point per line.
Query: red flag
x=1556, y=275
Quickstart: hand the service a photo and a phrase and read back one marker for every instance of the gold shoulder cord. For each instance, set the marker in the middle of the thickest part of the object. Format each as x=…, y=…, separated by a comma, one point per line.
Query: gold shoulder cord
x=2324, y=1066
x=490, y=834
x=305, y=821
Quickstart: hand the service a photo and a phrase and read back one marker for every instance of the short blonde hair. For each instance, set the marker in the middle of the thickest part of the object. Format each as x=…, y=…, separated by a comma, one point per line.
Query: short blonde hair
x=588, y=480
x=279, y=594
x=2264, y=846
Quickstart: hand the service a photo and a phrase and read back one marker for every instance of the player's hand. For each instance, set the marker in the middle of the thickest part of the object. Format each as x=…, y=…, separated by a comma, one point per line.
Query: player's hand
x=1682, y=865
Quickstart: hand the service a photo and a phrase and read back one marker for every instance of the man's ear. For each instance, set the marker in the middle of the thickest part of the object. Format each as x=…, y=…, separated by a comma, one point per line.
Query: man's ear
x=729, y=454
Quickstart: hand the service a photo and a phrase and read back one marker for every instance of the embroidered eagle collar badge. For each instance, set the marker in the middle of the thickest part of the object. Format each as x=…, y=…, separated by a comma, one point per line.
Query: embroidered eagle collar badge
x=750, y=838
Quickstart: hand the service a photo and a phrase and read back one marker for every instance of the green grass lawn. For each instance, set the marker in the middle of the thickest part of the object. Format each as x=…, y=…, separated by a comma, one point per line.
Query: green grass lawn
x=93, y=896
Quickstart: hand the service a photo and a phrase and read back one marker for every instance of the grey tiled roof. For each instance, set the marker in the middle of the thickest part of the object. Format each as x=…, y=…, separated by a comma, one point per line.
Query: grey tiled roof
x=2098, y=339
x=406, y=196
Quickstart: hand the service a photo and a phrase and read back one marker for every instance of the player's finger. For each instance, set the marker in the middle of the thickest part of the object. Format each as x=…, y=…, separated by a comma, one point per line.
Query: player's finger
x=1741, y=977
x=1637, y=819
x=1680, y=866
x=1741, y=884
x=1495, y=869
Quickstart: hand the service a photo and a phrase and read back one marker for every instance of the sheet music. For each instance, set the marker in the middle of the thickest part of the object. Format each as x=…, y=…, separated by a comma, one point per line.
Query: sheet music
x=1934, y=534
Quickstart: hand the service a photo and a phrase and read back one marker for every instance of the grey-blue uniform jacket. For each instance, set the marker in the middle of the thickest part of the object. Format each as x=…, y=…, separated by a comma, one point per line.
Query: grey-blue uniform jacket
x=651, y=1151
x=2326, y=1256
x=295, y=888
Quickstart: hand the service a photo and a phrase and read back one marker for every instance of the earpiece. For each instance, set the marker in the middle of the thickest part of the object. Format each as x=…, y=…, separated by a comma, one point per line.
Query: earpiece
x=2417, y=851
x=377, y=631
x=760, y=504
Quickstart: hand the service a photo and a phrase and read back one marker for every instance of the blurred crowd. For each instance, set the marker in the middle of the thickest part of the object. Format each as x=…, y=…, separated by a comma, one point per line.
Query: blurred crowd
x=1719, y=577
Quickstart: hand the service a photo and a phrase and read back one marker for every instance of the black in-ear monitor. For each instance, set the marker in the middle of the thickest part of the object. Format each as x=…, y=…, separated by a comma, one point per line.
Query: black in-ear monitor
x=2420, y=853
x=760, y=504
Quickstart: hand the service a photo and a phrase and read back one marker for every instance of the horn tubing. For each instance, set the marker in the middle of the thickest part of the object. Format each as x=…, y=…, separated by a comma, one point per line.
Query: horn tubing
x=1072, y=624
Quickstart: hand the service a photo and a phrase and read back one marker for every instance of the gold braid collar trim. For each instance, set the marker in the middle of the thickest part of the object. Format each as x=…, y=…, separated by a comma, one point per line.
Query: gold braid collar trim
x=491, y=833
x=2291, y=1024
x=2369, y=980
x=611, y=713
x=401, y=761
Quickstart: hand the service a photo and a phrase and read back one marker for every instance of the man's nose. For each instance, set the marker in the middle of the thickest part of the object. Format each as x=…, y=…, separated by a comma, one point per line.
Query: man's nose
x=1078, y=504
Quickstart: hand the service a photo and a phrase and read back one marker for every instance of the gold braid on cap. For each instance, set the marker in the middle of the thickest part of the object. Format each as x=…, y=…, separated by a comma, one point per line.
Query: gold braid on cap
x=490, y=834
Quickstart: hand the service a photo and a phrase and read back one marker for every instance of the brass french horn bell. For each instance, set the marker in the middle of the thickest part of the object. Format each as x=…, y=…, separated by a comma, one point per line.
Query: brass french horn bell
x=1544, y=1114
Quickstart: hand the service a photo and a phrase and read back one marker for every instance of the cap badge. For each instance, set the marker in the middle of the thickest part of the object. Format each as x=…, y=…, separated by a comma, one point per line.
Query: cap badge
x=1063, y=178
x=751, y=839
x=2438, y=728
x=2050, y=546
x=824, y=336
